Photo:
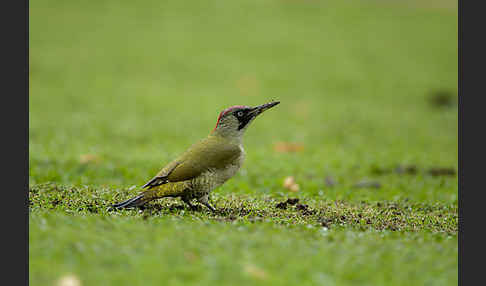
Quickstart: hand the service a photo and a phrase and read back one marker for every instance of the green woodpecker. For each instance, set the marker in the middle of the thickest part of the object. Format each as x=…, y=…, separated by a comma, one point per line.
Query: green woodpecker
x=206, y=165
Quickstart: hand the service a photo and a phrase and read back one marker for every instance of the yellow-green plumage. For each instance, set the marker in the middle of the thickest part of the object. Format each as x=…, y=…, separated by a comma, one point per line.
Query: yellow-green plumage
x=166, y=190
x=205, y=165
x=212, y=152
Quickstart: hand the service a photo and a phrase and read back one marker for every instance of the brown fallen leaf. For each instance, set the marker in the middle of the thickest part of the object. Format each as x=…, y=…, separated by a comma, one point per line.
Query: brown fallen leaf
x=255, y=272
x=69, y=280
x=191, y=257
x=288, y=181
x=290, y=184
x=284, y=147
x=89, y=158
x=294, y=188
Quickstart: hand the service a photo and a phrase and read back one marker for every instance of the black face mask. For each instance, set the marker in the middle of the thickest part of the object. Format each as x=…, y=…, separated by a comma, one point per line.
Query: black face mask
x=244, y=118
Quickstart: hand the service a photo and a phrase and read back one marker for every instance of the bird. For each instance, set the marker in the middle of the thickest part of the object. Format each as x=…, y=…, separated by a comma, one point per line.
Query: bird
x=205, y=165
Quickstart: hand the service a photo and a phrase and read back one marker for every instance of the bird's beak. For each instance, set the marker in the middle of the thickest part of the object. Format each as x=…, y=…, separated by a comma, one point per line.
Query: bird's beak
x=261, y=108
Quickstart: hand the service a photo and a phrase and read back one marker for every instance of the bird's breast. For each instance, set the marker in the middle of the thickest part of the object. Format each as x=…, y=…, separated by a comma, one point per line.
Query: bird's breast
x=215, y=177
x=223, y=174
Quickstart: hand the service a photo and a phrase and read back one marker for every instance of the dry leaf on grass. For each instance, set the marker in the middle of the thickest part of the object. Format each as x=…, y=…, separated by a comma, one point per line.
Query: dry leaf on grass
x=285, y=147
x=290, y=184
x=289, y=181
x=255, y=272
x=294, y=188
x=69, y=280
x=190, y=256
x=89, y=158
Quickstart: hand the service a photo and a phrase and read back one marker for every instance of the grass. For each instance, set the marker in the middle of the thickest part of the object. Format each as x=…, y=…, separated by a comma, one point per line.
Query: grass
x=119, y=88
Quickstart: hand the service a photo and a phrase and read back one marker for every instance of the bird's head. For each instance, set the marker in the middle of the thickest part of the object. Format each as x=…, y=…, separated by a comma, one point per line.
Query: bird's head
x=233, y=121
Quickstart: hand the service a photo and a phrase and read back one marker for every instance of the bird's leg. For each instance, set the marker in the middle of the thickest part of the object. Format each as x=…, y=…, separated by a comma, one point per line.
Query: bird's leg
x=188, y=202
x=204, y=200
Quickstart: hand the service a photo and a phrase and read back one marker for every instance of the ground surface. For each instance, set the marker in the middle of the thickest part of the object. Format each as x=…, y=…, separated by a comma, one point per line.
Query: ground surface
x=367, y=126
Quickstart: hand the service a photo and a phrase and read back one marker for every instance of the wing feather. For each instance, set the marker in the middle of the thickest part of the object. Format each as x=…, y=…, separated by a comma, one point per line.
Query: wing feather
x=209, y=153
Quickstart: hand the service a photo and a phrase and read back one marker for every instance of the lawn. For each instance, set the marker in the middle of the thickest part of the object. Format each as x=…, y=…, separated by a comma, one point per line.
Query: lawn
x=367, y=127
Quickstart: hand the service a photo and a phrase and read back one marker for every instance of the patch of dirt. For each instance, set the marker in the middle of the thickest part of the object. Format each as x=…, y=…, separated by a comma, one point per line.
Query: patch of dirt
x=329, y=181
x=233, y=213
x=379, y=171
x=368, y=184
x=281, y=205
x=292, y=201
x=301, y=207
x=400, y=169
x=441, y=98
x=409, y=170
x=438, y=171
x=305, y=210
x=414, y=170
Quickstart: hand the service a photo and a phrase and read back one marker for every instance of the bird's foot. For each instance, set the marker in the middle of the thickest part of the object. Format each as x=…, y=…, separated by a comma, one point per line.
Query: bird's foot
x=209, y=206
x=205, y=201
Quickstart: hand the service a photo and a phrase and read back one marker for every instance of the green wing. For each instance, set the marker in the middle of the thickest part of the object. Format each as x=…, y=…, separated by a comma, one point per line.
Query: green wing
x=209, y=153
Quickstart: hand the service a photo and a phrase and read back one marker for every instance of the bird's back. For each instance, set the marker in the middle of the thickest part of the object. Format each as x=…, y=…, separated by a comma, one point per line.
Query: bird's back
x=202, y=167
x=210, y=153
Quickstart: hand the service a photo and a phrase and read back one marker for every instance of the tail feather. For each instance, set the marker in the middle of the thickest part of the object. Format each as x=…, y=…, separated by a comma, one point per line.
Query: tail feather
x=130, y=203
x=165, y=190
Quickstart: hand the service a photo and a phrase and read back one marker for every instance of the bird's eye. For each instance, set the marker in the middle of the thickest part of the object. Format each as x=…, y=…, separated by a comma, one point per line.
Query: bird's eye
x=240, y=113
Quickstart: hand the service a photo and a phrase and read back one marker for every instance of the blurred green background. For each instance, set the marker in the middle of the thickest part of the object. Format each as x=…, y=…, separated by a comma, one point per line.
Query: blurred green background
x=119, y=88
